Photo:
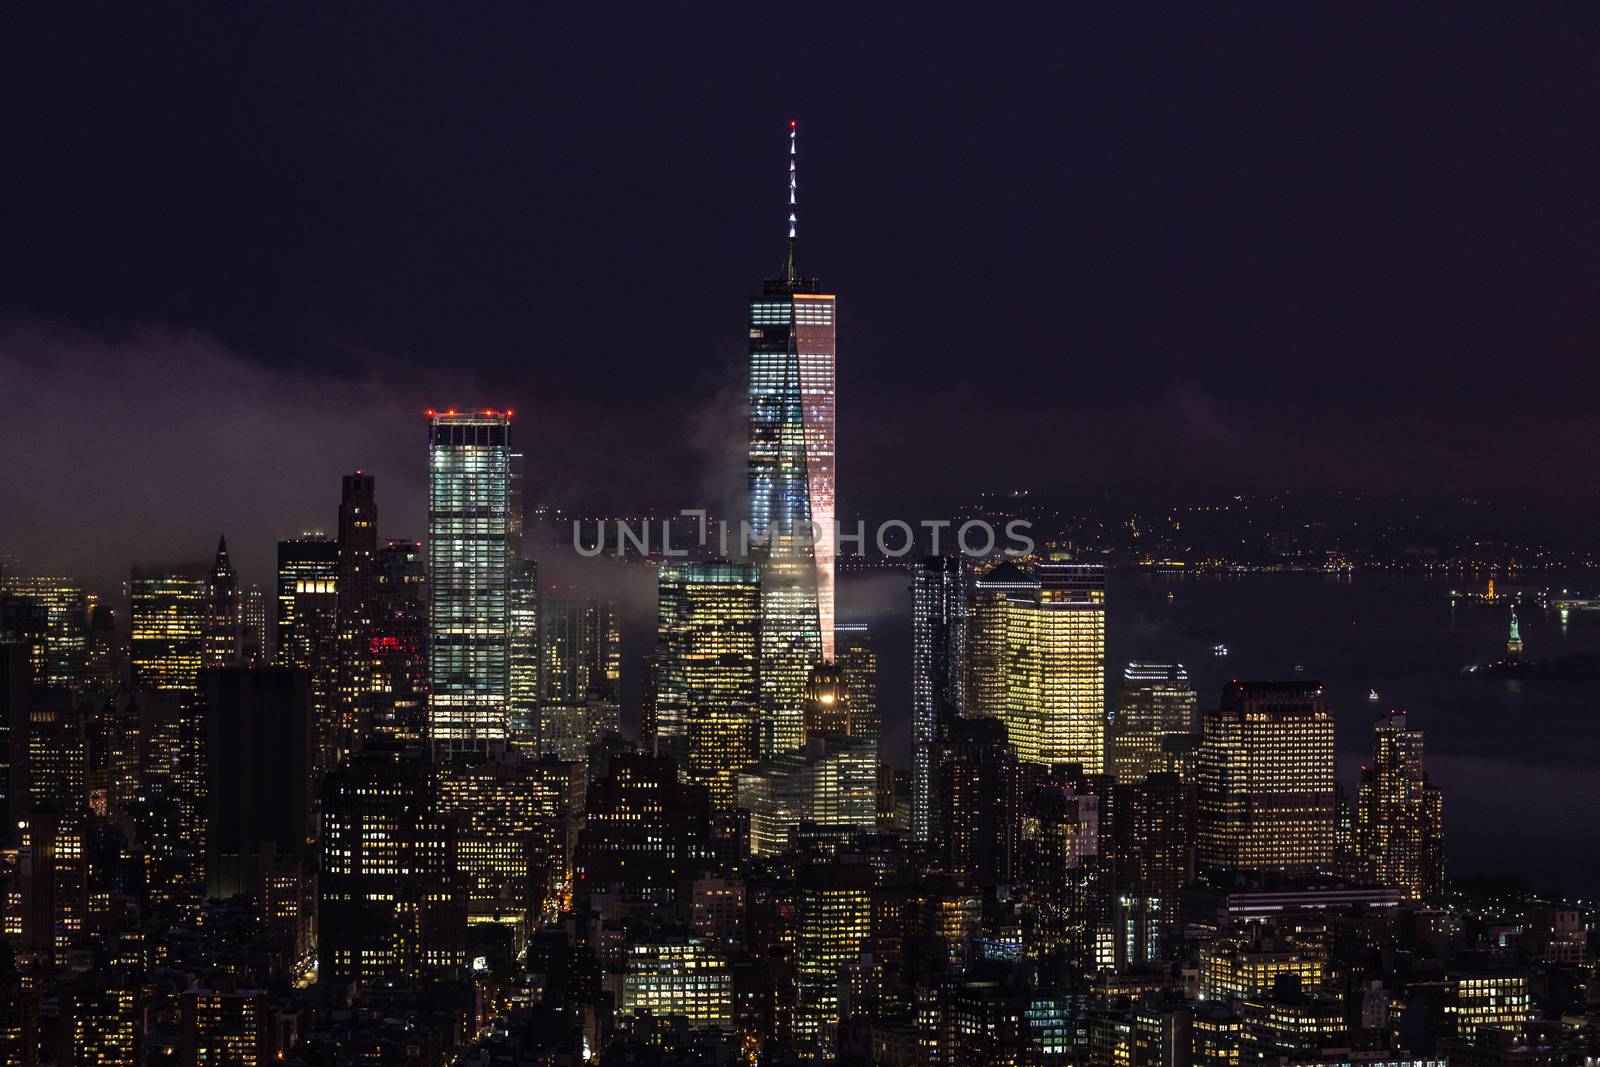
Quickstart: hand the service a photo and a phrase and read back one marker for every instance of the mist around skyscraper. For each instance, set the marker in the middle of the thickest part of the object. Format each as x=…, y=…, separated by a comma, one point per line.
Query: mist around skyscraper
x=457, y=786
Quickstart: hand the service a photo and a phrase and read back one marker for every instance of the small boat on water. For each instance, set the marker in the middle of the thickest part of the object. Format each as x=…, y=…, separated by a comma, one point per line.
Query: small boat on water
x=1219, y=650
x=1372, y=695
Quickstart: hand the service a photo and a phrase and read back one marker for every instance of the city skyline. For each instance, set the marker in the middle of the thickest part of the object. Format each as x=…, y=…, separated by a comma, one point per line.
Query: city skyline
x=1157, y=626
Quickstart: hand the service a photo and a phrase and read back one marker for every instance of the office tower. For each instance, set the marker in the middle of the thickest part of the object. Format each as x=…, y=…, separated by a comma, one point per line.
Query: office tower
x=16, y=689
x=105, y=656
x=1062, y=852
x=644, y=830
x=53, y=858
x=522, y=717
x=980, y=793
x=223, y=1027
x=1154, y=839
x=1266, y=778
x=938, y=621
x=1038, y=659
x=53, y=614
x=515, y=816
x=106, y=1010
x=1399, y=825
x=358, y=547
x=831, y=783
x=399, y=686
x=649, y=672
x=469, y=555
x=992, y=593
x=168, y=612
x=833, y=927
x=791, y=484
x=681, y=976
x=708, y=618
x=391, y=900
x=1154, y=702
x=308, y=611
x=253, y=613
x=827, y=707
x=220, y=641
x=258, y=775
x=580, y=659
x=858, y=660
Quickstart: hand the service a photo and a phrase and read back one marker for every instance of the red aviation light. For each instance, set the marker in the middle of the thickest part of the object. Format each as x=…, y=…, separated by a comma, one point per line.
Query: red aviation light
x=791, y=124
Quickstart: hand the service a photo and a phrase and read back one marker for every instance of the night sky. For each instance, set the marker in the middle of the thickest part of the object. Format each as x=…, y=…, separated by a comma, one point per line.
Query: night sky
x=1215, y=247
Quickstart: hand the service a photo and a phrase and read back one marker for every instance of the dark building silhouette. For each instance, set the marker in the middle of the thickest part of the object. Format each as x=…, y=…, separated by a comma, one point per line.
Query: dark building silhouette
x=258, y=775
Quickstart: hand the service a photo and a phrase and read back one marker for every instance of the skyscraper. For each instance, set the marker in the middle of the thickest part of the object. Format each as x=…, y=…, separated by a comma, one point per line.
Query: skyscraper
x=469, y=553
x=858, y=660
x=1399, y=814
x=222, y=644
x=258, y=776
x=308, y=603
x=791, y=479
x=1266, y=778
x=1154, y=702
x=705, y=684
x=392, y=899
x=399, y=685
x=168, y=612
x=1039, y=641
x=358, y=544
x=938, y=634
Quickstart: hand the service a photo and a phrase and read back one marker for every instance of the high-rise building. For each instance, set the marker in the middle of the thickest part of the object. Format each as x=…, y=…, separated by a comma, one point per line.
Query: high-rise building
x=579, y=670
x=469, y=556
x=831, y=783
x=16, y=690
x=1154, y=702
x=980, y=793
x=168, y=612
x=858, y=660
x=258, y=775
x=391, y=897
x=1154, y=844
x=358, y=547
x=708, y=618
x=516, y=817
x=791, y=480
x=938, y=635
x=1039, y=659
x=399, y=686
x=308, y=612
x=1399, y=824
x=58, y=627
x=522, y=716
x=833, y=927
x=644, y=830
x=253, y=633
x=221, y=643
x=992, y=592
x=1266, y=778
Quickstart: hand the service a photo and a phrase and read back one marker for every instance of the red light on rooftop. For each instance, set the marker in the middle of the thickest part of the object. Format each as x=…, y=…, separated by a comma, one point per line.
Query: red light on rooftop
x=791, y=124
x=430, y=413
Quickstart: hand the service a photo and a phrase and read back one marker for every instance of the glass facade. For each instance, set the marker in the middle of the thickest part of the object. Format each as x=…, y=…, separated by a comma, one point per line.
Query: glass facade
x=707, y=642
x=469, y=520
x=168, y=610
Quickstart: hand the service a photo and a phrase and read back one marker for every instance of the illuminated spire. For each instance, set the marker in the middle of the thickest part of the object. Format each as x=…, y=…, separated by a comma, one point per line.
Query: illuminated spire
x=792, y=267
